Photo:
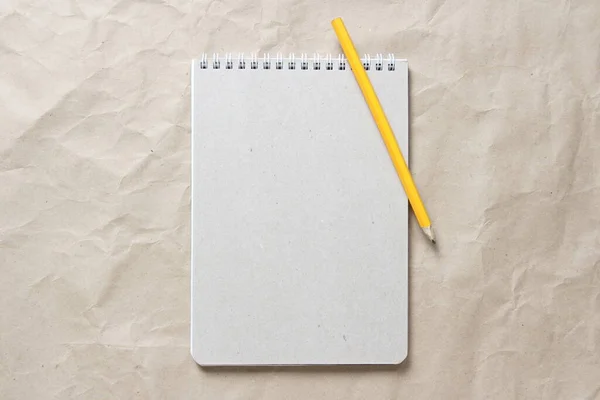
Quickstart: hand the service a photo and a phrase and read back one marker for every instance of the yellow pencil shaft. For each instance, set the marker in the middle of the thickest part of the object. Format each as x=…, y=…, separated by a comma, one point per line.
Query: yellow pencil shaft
x=382, y=123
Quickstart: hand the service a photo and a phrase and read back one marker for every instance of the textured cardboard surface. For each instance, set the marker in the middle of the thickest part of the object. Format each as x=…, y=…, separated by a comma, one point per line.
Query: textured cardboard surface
x=299, y=220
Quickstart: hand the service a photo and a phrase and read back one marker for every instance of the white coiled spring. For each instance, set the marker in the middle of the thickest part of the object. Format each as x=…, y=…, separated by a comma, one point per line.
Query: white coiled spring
x=378, y=62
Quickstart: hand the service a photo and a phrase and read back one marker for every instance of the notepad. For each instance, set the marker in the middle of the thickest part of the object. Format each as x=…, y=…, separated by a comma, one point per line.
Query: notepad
x=299, y=221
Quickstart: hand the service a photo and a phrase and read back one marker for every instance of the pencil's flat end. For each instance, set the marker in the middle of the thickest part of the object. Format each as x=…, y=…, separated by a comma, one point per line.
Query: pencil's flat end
x=428, y=230
x=336, y=22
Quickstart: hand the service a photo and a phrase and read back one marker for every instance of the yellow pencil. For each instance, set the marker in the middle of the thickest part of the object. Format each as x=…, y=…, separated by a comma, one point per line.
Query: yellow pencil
x=384, y=127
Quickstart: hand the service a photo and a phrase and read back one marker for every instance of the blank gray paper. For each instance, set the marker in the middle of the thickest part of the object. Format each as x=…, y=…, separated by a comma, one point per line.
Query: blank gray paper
x=299, y=221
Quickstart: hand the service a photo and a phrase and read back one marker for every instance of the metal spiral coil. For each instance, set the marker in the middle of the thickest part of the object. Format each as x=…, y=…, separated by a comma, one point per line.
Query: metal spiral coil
x=316, y=62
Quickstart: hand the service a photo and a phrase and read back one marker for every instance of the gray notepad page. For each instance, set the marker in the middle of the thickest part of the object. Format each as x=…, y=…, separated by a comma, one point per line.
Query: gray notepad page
x=299, y=221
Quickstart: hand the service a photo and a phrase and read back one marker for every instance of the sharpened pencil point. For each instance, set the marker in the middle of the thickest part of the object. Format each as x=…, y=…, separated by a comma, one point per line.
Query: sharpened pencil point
x=428, y=230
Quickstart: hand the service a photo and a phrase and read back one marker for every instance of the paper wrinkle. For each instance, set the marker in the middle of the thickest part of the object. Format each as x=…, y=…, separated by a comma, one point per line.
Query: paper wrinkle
x=94, y=195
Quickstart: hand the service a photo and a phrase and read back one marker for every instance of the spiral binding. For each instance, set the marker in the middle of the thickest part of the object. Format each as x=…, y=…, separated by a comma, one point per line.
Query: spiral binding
x=378, y=62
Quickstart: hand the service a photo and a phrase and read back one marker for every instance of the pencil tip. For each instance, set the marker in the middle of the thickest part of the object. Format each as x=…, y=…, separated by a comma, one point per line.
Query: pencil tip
x=428, y=230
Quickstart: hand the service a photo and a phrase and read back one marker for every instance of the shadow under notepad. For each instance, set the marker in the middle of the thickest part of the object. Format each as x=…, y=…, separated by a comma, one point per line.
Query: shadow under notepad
x=308, y=369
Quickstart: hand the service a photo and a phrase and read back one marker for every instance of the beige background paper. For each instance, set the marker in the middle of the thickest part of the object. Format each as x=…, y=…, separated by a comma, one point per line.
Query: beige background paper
x=95, y=195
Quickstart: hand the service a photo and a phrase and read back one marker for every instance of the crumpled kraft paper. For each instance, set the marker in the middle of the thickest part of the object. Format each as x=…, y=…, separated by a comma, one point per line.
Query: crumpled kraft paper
x=95, y=195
